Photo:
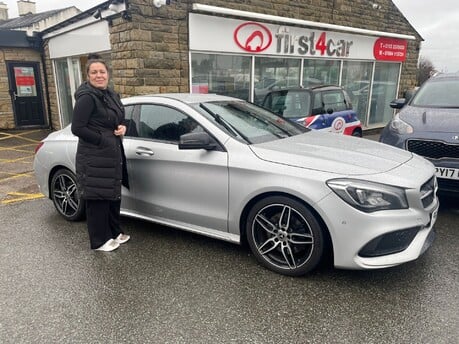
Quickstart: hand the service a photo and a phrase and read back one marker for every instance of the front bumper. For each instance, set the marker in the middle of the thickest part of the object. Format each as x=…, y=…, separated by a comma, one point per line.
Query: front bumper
x=381, y=239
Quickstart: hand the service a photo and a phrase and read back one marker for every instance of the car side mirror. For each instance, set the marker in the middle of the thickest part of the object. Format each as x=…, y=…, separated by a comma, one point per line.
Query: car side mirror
x=329, y=111
x=201, y=140
x=398, y=103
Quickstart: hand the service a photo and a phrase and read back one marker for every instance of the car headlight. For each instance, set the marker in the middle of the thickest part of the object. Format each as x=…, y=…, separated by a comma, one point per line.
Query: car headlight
x=400, y=126
x=368, y=196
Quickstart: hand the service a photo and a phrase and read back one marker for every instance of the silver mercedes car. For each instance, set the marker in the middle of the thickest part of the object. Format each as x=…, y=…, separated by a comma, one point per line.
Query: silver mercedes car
x=231, y=170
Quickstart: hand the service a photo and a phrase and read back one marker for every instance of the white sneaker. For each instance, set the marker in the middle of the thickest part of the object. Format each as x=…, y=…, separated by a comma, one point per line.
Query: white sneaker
x=110, y=245
x=122, y=238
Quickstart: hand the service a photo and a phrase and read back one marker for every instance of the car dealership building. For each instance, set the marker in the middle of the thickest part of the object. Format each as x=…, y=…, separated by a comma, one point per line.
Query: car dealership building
x=241, y=48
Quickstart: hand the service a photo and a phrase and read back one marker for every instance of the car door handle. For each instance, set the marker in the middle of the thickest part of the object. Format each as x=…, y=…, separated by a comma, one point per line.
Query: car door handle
x=144, y=151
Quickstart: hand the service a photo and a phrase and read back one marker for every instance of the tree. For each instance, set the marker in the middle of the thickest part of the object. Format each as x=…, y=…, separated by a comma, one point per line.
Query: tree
x=425, y=70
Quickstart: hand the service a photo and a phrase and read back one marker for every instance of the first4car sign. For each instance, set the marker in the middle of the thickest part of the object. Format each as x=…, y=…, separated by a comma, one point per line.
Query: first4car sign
x=209, y=33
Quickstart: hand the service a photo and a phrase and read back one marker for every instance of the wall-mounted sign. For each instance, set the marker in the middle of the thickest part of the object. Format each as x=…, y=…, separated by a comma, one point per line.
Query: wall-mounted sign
x=390, y=49
x=209, y=33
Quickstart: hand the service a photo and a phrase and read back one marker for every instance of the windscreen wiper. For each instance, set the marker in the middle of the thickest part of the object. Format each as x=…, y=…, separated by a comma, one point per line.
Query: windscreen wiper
x=281, y=133
x=220, y=120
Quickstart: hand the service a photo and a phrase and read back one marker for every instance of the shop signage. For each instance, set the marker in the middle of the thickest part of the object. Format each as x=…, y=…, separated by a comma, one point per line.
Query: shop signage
x=208, y=33
x=389, y=49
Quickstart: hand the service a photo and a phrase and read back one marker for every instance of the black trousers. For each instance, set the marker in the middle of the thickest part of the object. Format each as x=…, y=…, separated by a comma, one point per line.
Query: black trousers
x=103, y=221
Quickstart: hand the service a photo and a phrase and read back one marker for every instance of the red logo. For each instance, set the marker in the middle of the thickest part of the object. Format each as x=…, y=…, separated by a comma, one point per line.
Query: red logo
x=253, y=37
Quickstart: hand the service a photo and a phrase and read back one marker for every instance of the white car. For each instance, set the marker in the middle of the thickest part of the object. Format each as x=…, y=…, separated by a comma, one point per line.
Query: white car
x=231, y=170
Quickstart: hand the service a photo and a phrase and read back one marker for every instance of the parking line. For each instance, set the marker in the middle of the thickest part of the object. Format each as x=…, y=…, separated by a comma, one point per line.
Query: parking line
x=16, y=160
x=16, y=175
x=19, y=136
x=22, y=197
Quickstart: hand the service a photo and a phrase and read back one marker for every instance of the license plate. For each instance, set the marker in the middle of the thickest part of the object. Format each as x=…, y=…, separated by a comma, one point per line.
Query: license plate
x=447, y=173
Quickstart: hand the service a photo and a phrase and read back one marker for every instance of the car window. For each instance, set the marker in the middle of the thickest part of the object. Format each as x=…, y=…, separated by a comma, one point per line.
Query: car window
x=334, y=100
x=131, y=127
x=441, y=93
x=164, y=123
x=317, y=106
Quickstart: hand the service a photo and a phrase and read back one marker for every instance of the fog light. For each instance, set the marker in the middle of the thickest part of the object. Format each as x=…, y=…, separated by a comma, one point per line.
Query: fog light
x=389, y=243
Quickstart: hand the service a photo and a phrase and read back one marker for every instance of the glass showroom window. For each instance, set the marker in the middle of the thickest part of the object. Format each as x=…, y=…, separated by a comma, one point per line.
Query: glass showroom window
x=68, y=79
x=223, y=74
x=316, y=72
x=271, y=73
x=356, y=79
x=383, y=91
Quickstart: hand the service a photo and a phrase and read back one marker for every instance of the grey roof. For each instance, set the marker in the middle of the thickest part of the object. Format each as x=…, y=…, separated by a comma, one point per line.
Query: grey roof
x=28, y=19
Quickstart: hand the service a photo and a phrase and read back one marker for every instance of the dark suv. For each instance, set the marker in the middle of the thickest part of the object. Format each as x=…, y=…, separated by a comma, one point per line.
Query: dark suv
x=428, y=125
x=323, y=107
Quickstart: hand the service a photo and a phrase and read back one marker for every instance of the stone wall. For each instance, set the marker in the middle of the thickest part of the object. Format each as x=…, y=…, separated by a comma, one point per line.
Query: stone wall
x=150, y=53
x=6, y=104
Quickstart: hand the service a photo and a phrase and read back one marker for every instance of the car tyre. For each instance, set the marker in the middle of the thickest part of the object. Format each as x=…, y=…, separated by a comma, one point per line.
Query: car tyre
x=65, y=195
x=357, y=133
x=284, y=235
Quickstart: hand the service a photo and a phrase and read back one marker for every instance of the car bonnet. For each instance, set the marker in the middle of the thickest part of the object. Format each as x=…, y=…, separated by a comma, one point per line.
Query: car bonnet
x=332, y=153
x=445, y=120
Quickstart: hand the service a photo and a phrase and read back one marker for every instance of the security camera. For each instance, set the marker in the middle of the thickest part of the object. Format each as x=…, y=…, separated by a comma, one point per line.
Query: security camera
x=159, y=3
x=97, y=14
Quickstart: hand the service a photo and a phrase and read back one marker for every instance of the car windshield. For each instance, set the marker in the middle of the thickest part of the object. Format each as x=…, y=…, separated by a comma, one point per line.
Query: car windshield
x=248, y=122
x=441, y=93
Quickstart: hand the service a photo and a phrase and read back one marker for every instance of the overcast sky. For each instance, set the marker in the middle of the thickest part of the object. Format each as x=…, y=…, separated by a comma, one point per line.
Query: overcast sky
x=436, y=21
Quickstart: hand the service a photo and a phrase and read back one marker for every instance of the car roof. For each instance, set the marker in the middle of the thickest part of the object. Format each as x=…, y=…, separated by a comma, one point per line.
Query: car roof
x=308, y=89
x=443, y=76
x=189, y=98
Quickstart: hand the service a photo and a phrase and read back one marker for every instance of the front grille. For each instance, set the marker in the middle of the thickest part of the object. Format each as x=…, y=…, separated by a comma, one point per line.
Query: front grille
x=448, y=186
x=433, y=149
x=428, y=191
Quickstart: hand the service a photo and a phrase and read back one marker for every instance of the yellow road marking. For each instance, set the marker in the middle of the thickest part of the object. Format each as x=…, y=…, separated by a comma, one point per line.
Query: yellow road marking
x=14, y=176
x=19, y=136
x=20, y=146
x=16, y=160
x=19, y=196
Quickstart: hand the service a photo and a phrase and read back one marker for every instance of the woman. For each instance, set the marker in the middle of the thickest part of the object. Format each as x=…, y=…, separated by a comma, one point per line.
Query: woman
x=98, y=121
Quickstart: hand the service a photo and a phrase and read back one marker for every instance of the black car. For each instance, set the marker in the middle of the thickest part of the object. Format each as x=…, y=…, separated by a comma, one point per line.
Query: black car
x=324, y=107
x=428, y=125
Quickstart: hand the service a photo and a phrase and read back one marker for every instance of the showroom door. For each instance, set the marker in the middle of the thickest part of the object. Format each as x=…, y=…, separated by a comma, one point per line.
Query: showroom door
x=26, y=93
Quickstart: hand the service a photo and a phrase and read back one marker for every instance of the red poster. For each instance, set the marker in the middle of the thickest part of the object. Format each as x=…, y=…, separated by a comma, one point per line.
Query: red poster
x=24, y=76
x=25, y=81
x=390, y=49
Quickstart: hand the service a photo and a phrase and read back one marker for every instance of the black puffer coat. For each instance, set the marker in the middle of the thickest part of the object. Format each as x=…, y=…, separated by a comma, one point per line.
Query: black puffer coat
x=100, y=160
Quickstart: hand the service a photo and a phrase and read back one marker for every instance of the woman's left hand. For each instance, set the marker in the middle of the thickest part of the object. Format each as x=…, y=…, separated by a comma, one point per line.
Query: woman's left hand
x=120, y=131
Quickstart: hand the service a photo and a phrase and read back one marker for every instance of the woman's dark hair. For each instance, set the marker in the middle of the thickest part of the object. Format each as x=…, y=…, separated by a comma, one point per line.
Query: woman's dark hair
x=95, y=58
